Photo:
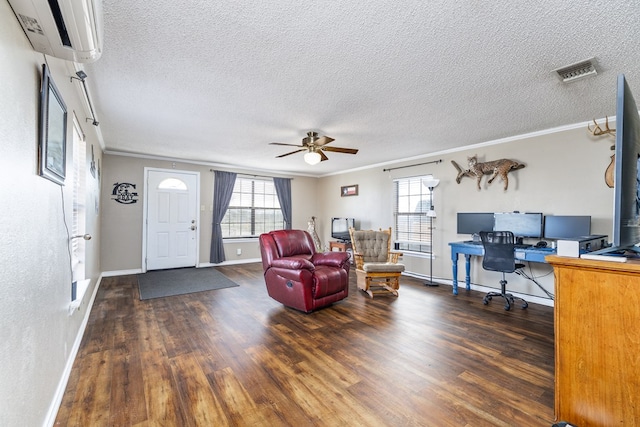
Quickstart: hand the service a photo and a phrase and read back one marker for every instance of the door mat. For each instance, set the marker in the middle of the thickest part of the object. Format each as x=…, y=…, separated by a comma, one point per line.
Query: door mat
x=180, y=281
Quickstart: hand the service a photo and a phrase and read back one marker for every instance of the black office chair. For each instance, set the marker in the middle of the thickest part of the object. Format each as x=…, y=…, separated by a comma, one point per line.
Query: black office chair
x=499, y=256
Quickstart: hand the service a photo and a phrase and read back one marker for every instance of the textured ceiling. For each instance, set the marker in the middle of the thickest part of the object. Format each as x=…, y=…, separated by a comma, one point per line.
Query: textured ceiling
x=218, y=81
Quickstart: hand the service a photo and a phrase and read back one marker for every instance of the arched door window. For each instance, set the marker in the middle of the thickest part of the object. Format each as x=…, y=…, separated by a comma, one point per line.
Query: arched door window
x=172, y=184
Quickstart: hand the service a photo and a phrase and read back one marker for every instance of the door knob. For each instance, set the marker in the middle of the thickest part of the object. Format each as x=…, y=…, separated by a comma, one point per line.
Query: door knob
x=193, y=227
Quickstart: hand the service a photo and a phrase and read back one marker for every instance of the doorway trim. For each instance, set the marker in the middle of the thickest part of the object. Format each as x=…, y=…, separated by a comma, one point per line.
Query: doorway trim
x=146, y=204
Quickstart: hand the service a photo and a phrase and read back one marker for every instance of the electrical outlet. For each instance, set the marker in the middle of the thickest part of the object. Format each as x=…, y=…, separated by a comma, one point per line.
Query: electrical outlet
x=238, y=251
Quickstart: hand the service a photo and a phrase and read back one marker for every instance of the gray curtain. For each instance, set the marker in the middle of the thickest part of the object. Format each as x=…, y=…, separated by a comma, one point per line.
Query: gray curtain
x=283, y=189
x=222, y=191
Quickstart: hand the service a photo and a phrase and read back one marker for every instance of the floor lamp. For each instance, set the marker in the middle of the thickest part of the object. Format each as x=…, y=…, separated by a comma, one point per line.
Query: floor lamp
x=431, y=183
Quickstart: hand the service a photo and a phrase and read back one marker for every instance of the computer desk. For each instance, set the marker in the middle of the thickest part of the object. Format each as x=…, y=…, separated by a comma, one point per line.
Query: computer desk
x=469, y=249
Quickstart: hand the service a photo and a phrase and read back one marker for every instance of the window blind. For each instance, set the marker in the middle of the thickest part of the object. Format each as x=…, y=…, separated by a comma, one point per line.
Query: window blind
x=254, y=209
x=412, y=201
x=79, y=201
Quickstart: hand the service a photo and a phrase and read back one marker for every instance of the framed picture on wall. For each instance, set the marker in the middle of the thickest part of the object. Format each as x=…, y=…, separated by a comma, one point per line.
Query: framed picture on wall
x=53, y=131
x=349, y=190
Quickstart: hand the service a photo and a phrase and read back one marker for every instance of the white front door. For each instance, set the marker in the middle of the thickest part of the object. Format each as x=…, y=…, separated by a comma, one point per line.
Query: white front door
x=171, y=219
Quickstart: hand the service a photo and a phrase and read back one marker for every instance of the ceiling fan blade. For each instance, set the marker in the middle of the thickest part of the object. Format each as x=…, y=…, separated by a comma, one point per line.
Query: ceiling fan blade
x=323, y=156
x=293, y=152
x=323, y=140
x=288, y=145
x=340, y=150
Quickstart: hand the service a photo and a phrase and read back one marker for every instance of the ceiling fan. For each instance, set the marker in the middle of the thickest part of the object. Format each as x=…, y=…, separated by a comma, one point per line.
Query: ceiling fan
x=315, y=146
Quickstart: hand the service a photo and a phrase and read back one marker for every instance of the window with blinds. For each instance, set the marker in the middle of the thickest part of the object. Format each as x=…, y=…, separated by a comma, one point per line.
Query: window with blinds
x=412, y=201
x=254, y=209
x=79, y=202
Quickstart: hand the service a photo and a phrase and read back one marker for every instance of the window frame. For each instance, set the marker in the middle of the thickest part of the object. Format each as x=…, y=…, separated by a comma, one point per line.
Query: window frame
x=79, y=212
x=250, y=202
x=412, y=225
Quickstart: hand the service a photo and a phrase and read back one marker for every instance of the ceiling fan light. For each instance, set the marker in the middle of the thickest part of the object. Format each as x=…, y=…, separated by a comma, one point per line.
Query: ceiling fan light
x=312, y=158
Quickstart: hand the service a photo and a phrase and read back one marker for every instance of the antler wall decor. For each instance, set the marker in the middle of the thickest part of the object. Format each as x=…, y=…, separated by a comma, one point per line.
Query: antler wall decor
x=597, y=131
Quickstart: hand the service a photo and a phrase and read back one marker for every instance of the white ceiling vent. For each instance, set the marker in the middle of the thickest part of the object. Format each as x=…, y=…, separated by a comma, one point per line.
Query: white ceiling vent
x=578, y=70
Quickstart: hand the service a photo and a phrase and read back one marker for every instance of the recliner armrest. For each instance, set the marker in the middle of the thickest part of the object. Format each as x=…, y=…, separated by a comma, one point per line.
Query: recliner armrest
x=293, y=264
x=332, y=259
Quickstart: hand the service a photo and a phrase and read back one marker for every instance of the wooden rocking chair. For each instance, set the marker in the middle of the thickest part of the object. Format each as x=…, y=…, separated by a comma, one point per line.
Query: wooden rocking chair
x=377, y=268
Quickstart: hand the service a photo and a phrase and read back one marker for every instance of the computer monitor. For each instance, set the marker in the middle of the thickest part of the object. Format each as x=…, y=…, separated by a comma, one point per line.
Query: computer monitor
x=520, y=224
x=566, y=226
x=474, y=222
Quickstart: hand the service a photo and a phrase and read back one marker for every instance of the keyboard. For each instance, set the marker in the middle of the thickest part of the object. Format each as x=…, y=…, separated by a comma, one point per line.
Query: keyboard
x=522, y=246
x=517, y=246
x=550, y=250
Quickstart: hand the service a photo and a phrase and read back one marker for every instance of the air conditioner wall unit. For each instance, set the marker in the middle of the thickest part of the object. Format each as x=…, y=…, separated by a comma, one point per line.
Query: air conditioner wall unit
x=67, y=29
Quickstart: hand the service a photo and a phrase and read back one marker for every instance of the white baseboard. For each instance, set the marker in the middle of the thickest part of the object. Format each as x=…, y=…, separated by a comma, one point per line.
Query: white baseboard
x=200, y=265
x=121, y=272
x=66, y=373
x=233, y=262
x=462, y=287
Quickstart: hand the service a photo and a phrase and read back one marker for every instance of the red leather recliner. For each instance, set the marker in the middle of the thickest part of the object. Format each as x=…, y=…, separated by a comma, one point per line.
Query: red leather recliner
x=299, y=277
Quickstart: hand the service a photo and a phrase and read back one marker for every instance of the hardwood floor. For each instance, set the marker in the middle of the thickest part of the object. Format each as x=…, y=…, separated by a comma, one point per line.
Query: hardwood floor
x=235, y=357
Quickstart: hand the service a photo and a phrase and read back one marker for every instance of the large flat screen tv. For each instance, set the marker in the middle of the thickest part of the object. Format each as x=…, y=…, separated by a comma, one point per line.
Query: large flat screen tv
x=626, y=200
x=340, y=228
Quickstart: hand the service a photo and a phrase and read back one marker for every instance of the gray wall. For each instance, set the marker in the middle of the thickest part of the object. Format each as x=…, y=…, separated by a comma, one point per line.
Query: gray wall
x=122, y=223
x=38, y=334
x=564, y=175
x=570, y=181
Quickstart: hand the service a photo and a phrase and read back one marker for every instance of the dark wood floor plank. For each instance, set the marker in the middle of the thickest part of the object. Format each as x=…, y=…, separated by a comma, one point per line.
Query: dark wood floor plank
x=146, y=327
x=235, y=357
x=275, y=404
x=198, y=401
x=519, y=410
x=345, y=408
x=127, y=398
x=237, y=402
x=285, y=377
x=91, y=400
x=318, y=359
x=163, y=403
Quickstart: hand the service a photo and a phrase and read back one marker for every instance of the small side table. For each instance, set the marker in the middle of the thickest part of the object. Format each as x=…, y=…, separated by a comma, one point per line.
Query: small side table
x=340, y=246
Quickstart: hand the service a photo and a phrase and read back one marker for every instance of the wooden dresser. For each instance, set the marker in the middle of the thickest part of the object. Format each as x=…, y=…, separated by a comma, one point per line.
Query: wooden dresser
x=597, y=342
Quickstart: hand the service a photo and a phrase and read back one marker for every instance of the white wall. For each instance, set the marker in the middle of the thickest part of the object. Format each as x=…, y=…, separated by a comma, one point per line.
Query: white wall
x=37, y=332
x=564, y=175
